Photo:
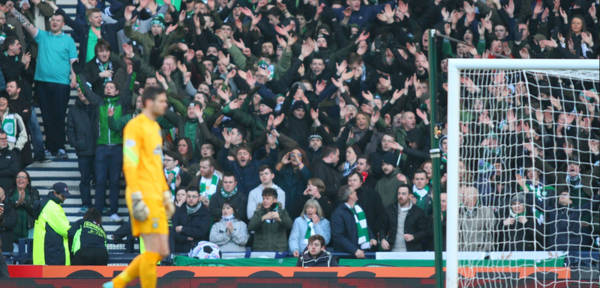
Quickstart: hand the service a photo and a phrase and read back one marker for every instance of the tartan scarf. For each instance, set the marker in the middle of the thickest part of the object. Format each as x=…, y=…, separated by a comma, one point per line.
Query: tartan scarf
x=361, y=226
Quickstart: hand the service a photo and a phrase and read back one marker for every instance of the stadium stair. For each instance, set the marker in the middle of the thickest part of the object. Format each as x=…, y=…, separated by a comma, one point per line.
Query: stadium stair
x=44, y=175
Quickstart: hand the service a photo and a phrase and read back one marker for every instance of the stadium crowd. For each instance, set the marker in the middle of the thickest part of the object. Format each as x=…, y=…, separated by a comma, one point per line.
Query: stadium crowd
x=295, y=118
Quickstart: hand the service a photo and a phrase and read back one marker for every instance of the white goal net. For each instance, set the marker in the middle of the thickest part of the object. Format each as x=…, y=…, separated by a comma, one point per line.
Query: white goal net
x=524, y=173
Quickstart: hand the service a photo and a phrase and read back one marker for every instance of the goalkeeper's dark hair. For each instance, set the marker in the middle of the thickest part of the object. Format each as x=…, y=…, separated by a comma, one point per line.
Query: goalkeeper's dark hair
x=150, y=93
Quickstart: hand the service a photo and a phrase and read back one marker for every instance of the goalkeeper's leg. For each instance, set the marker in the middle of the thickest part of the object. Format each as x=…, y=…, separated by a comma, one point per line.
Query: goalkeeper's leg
x=149, y=221
x=157, y=247
x=144, y=265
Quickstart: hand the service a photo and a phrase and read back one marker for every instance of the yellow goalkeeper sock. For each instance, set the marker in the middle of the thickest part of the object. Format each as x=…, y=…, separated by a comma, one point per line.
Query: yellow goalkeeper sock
x=148, y=269
x=131, y=272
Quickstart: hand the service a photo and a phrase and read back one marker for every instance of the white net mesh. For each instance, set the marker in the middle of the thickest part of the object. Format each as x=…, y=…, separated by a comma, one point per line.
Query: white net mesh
x=529, y=178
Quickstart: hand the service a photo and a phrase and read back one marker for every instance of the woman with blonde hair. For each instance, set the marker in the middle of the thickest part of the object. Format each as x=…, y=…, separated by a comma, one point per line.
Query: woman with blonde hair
x=311, y=222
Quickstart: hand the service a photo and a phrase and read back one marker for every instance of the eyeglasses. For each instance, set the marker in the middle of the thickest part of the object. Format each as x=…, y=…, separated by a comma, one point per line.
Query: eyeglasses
x=22, y=177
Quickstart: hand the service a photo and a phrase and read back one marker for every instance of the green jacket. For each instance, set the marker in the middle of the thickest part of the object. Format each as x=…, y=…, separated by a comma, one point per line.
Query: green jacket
x=50, y=236
x=106, y=135
x=147, y=40
x=387, y=187
x=270, y=235
x=253, y=123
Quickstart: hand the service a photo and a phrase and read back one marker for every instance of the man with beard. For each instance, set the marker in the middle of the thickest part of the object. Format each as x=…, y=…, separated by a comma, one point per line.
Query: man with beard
x=207, y=179
x=407, y=226
x=191, y=222
x=244, y=167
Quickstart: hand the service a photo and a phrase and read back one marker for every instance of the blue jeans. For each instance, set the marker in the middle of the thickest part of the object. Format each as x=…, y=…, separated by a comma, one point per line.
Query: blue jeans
x=36, y=135
x=53, y=99
x=86, y=169
x=108, y=165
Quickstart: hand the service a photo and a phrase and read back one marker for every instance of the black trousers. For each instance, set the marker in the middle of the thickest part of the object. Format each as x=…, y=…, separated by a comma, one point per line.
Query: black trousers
x=53, y=99
x=90, y=256
x=3, y=268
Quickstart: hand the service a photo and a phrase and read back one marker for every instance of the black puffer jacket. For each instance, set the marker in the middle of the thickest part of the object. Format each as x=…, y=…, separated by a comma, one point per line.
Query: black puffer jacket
x=9, y=167
x=416, y=224
x=195, y=225
x=80, y=128
x=330, y=175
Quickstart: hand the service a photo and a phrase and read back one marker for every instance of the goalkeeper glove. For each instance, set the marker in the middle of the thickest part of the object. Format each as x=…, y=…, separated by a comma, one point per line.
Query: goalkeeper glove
x=140, y=210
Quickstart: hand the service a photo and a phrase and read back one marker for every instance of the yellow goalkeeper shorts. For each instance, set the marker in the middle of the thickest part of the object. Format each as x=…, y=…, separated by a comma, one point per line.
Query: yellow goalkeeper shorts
x=156, y=223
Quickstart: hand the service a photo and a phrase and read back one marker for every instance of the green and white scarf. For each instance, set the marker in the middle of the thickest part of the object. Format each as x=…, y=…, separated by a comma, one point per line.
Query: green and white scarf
x=361, y=227
x=541, y=192
x=208, y=187
x=421, y=194
x=103, y=67
x=516, y=215
x=310, y=231
x=9, y=125
x=228, y=195
x=173, y=184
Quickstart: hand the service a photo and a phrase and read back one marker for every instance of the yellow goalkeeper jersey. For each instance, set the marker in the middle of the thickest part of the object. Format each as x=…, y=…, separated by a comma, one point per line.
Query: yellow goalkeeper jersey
x=143, y=169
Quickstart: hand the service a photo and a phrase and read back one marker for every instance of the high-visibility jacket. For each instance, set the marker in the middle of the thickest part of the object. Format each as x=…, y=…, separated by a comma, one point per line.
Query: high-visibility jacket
x=87, y=234
x=50, y=236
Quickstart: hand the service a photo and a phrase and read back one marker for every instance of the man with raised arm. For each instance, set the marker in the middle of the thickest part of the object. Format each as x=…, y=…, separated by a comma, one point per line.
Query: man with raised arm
x=53, y=75
x=148, y=197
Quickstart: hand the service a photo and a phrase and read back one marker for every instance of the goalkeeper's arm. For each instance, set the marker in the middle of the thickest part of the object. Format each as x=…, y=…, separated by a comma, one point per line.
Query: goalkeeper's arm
x=168, y=202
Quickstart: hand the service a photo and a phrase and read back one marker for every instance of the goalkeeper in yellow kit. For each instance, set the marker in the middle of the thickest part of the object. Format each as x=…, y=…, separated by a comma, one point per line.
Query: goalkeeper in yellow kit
x=147, y=194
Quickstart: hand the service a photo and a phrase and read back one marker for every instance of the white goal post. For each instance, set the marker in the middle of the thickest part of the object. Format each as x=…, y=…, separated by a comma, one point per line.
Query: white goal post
x=455, y=69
